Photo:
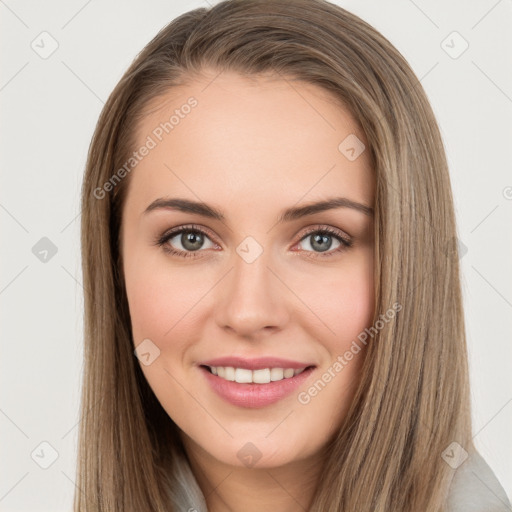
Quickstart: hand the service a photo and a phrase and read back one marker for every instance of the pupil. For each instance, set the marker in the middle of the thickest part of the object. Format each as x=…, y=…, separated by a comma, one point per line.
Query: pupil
x=192, y=241
x=318, y=239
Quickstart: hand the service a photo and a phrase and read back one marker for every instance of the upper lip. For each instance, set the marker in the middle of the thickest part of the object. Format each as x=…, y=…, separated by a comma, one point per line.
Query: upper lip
x=256, y=363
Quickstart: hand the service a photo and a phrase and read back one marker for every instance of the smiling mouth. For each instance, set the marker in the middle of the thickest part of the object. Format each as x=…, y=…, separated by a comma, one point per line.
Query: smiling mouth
x=260, y=376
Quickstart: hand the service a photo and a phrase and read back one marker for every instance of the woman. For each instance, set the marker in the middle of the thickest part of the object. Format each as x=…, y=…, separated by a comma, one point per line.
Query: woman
x=273, y=315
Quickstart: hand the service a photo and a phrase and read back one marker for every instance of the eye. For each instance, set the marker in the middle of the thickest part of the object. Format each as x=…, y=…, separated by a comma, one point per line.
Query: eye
x=321, y=239
x=190, y=238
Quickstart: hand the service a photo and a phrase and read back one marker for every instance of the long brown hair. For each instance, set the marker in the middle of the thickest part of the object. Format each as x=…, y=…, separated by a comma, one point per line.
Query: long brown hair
x=413, y=398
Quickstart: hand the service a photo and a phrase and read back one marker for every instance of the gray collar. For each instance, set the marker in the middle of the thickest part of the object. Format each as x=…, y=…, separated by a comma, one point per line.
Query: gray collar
x=475, y=488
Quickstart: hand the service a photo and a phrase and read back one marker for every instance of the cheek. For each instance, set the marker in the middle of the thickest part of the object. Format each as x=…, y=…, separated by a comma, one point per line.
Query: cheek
x=345, y=307
x=162, y=299
x=342, y=299
x=163, y=306
x=351, y=303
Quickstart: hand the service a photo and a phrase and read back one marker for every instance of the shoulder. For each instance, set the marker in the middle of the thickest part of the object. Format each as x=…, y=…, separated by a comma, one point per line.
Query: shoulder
x=475, y=488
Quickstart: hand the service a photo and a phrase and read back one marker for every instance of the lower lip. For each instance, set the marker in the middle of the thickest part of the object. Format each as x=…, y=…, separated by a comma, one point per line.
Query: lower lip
x=255, y=395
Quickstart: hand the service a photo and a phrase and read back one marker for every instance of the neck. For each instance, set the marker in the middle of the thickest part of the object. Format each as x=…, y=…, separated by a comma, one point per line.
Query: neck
x=227, y=488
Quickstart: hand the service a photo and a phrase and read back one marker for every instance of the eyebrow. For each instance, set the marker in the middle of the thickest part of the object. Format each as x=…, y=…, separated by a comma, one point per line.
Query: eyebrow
x=289, y=214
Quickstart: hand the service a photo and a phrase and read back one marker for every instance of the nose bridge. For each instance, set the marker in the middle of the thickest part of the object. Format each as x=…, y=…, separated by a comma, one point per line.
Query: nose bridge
x=251, y=269
x=252, y=297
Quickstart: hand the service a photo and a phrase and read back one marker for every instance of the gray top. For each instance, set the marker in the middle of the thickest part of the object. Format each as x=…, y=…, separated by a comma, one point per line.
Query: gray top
x=474, y=488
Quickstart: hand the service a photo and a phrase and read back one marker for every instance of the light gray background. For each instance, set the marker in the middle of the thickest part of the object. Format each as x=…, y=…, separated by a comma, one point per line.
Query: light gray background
x=49, y=108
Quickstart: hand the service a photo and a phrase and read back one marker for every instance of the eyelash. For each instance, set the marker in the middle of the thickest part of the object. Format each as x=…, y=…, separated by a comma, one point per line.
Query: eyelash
x=345, y=243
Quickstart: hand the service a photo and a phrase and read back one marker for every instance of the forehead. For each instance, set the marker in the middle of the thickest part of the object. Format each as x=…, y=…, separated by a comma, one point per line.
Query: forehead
x=227, y=138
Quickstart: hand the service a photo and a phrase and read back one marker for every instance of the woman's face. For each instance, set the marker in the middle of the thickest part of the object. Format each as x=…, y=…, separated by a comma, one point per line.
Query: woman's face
x=253, y=275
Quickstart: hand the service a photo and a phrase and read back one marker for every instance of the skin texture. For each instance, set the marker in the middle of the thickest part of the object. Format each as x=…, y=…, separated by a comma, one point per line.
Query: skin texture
x=251, y=147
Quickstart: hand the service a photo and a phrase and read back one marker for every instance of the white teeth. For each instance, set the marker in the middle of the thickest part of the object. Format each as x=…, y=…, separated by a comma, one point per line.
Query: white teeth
x=288, y=373
x=243, y=376
x=276, y=374
x=229, y=373
x=262, y=376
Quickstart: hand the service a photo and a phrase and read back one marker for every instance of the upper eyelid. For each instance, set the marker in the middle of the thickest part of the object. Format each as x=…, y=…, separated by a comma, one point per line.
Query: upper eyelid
x=171, y=233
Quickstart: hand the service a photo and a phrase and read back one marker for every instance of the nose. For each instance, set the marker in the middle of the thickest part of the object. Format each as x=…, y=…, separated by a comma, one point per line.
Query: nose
x=252, y=301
